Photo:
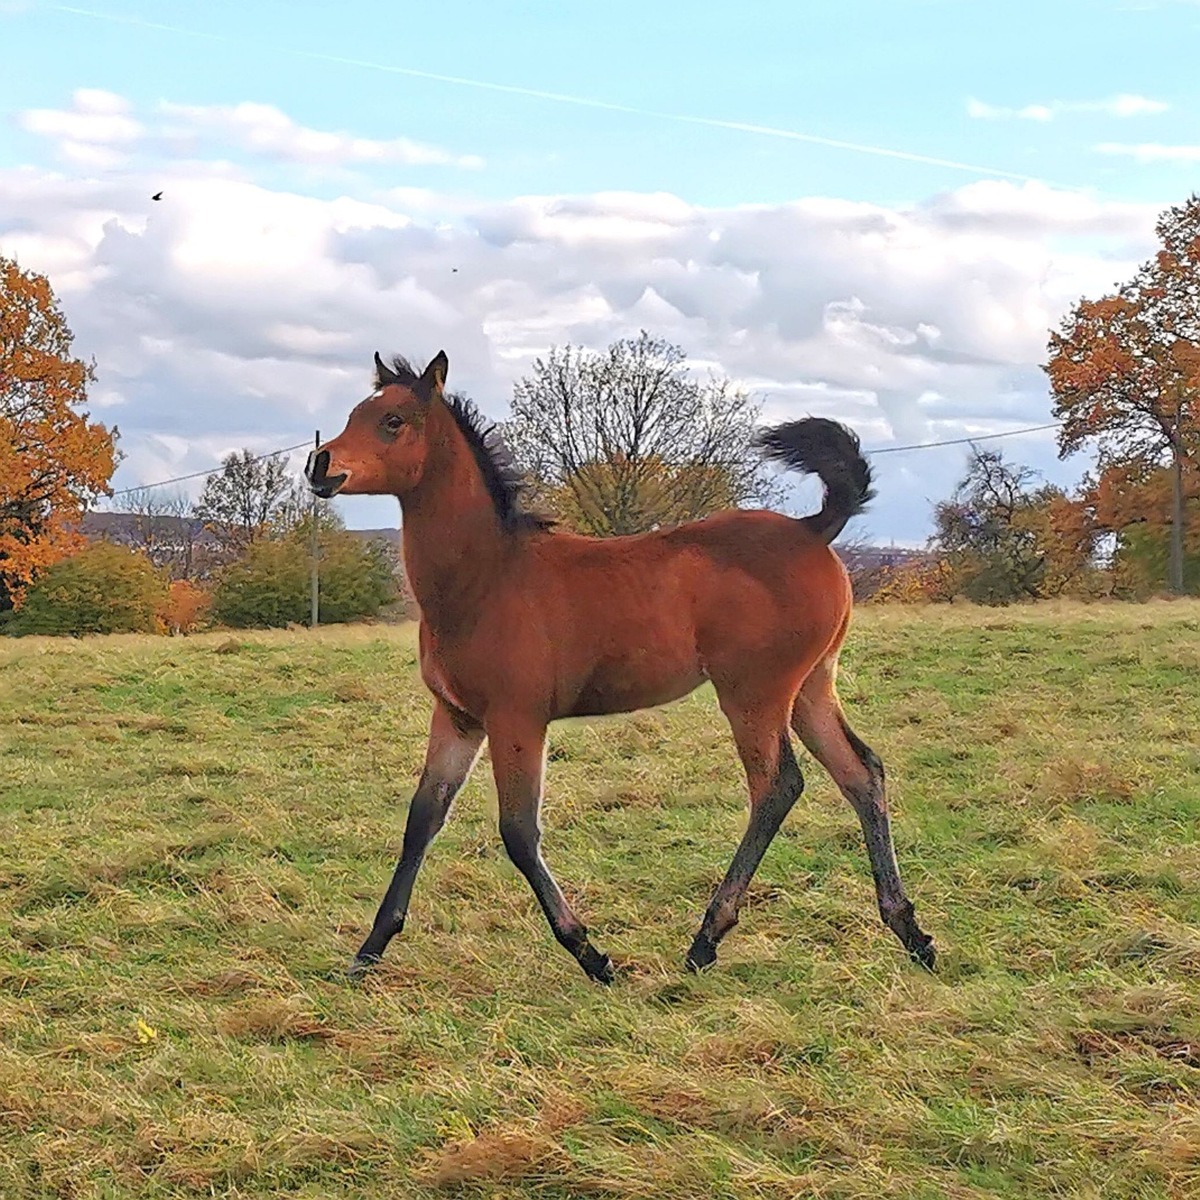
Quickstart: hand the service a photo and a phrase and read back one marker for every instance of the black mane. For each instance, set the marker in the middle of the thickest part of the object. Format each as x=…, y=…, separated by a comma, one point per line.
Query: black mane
x=503, y=478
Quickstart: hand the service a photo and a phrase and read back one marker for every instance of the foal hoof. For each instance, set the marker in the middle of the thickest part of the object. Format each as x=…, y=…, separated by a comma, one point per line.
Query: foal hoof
x=702, y=954
x=903, y=923
x=597, y=966
x=923, y=953
x=360, y=966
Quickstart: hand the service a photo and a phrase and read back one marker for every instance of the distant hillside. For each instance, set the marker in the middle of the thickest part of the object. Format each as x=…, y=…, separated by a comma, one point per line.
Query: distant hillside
x=133, y=527
x=390, y=536
x=172, y=540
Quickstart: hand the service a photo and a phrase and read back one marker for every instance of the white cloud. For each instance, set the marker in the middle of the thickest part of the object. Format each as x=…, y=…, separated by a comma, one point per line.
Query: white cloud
x=89, y=154
x=96, y=130
x=1150, y=152
x=1121, y=105
x=991, y=112
x=97, y=100
x=233, y=314
x=1135, y=106
x=100, y=129
x=265, y=130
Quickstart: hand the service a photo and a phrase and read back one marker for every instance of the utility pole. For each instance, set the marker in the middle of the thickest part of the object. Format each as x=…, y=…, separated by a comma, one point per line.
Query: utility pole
x=314, y=550
x=1176, y=571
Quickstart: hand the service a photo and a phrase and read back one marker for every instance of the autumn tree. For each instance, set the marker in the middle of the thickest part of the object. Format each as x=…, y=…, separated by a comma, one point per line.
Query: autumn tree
x=625, y=439
x=184, y=607
x=1067, y=535
x=919, y=581
x=239, y=501
x=1125, y=369
x=1002, y=538
x=54, y=461
x=1134, y=506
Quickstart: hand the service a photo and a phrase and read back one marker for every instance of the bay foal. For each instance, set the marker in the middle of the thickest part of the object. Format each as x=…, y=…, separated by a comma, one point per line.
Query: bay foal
x=522, y=624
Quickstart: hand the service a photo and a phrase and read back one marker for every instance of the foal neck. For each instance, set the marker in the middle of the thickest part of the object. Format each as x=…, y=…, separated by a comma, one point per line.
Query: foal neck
x=454, y=539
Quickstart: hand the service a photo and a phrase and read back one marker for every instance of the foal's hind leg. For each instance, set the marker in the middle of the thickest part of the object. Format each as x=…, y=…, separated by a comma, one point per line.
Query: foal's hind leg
x=454, y=744
x=518, y=760
x=775, y=785
x=819, y=722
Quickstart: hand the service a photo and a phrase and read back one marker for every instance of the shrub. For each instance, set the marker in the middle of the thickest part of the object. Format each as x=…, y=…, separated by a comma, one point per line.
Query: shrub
x=185, y=607
x=270, y=585
x=103, y=589
x=920, y=582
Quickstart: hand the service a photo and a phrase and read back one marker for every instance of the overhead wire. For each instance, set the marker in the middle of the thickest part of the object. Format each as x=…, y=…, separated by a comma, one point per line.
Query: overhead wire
x=143, y=487
x=963, y=441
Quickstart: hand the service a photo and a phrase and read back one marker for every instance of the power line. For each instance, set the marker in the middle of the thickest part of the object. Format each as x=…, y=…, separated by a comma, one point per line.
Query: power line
x=141, y=487
x=983, y=437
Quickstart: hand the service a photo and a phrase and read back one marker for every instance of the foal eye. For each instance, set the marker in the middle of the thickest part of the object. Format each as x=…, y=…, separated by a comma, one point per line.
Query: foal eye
x=392, y=422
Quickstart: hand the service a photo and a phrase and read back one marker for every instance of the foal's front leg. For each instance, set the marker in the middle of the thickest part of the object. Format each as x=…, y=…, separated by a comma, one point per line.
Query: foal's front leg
x=454, y=744
x=518, y=760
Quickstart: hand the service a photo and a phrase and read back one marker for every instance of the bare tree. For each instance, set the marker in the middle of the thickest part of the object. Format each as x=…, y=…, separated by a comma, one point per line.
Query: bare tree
x=147, y=506
x=240, y=500
x=626, y=439
x=188, y=527
x=295, y=508
x=864, y=564
x=164, y=528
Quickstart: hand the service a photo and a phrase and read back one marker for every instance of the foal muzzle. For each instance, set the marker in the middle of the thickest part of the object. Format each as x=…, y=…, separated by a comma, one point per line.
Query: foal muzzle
x=316, y=470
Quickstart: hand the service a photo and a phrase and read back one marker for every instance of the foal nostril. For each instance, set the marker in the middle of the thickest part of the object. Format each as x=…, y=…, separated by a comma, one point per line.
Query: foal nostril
x=319, y=478
x=317, y=466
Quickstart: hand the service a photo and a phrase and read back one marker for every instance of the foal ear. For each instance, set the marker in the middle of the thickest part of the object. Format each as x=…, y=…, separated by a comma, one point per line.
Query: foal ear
x=384, y=375
x=434, y=378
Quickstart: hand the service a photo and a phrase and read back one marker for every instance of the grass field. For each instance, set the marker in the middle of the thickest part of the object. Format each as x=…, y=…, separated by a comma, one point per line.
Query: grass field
x=194, y=835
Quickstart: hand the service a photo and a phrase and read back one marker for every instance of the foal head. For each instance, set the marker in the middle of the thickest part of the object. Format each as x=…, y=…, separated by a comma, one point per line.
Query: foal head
x=409, y=430
x=383, y=448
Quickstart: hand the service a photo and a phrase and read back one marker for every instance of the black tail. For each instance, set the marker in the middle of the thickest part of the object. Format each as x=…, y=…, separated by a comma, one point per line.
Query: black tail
x=830, y=451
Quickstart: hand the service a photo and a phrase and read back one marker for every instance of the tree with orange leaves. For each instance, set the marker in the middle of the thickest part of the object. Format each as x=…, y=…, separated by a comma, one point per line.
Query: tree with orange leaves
x=1002, y=538
x=1125, y=369
x=184, y=607
x=1136, y=506
x=53, y=460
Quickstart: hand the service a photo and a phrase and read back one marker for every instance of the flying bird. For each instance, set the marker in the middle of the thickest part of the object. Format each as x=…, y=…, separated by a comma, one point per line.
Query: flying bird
x=156, y=196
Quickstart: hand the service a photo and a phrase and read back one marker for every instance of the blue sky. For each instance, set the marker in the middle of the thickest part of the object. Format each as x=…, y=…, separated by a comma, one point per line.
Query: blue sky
x=1097, y=100
x=887, y=73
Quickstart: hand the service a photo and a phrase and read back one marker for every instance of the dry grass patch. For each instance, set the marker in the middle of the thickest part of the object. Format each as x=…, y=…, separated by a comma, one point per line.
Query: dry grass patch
x=212, y=884
x=508, y=1152
x=273, y=1019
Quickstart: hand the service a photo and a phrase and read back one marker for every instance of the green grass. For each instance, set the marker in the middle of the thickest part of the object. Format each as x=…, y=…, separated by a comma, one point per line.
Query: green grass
x=194, y=835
